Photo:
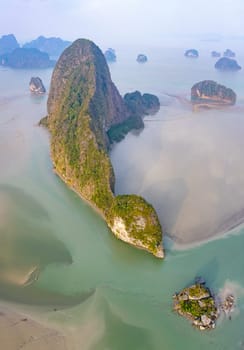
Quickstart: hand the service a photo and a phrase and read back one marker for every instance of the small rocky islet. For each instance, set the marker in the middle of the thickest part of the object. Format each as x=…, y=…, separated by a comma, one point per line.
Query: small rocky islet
x=21, y=58
x=52, y=46
x=210, y=94
x=110, y=55
x=36, y=86
x=198, y=304
x=141, y=58
x=229, y=53
x=228, y=305
x=8, y=43
x=215, y=54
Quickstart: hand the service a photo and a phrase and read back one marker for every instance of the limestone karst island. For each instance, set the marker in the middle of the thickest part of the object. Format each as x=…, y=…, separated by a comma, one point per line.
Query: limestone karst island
x=83, y=106
x=199, y=305
x=36, y=86
x=209, y=94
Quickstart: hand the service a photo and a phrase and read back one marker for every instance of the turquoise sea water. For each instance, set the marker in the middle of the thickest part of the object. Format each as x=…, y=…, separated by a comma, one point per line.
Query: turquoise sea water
x=109, y=295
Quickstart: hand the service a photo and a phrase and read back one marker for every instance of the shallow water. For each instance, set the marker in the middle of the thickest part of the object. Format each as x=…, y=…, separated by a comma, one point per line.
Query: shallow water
x=109, y=295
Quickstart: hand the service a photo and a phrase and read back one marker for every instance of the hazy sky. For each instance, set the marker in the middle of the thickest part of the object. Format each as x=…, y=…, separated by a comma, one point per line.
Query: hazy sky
x=112, y=21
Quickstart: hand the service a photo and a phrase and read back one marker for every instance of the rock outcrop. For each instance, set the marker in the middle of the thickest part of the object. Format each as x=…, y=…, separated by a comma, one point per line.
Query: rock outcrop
x=36, y=86
x=193, y=53
x=140, y=104
x=26, y=58
x=137, y=106
x=110, y=55
x=228, y=304
x=215, y=54
x=8, y=43
x=53, y=46
x=229, y=53
x=141, y=58
x=197, y=304
x=83, y=104
x=227, y=64
x=209, y=94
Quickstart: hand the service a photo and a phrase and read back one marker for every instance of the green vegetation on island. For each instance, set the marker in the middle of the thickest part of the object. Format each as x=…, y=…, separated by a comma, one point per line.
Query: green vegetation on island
x=53, y=46
x=215, y=54
x=193, y=53
x=83, y=104
x=141, y=58
x=209, y=94
x=198, y=305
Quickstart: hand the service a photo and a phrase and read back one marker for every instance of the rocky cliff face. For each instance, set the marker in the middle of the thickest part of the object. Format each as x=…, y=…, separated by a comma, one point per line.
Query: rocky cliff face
x=83, y=104
x=193, y=53
x=208, y=93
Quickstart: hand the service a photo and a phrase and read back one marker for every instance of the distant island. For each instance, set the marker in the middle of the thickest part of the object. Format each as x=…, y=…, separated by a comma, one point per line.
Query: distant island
x=227, y=64
x=26, y=58
x=53, y=46
x=229, y=53
x=215, y=54
x=141, y=58
x=35, y=54
x=198, y=304
x=8, y=43
x=36, y=86
x=83, y=105
x=110, y=55
x=209, y=94
x=192, y=53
